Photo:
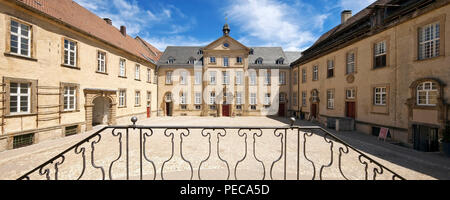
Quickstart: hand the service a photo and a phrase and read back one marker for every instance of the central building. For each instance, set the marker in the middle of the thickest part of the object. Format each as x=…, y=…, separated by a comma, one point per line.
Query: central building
x=225, y=78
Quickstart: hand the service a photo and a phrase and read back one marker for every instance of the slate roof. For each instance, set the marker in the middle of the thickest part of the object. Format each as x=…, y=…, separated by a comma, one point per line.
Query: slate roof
x=70, y=13
x=182, y=54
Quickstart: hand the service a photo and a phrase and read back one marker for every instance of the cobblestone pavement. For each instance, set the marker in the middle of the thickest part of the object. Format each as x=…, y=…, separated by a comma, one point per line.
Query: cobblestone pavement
x=406, y=162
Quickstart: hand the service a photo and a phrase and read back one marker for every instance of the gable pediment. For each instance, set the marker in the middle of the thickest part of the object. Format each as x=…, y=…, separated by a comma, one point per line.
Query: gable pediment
x=226, y=43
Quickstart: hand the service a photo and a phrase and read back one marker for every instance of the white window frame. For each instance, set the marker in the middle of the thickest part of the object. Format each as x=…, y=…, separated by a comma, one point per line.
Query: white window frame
x=267, y=78
x=350, y=62
x=226, y=78
x=122, y=67
x=149, y=75
x=137, y=98
x=315, y=73
x=304, y=76
x=212, y=78
x=68, y=51
x=198, y=98
x=330, y=66
x=429, y=41
x=68, y=96
x=183, y=77
x=350, y=93
x=253, y=100
x=19, y=96
x=101, y=62
x=253, y=78
x=212, y=98
x=282, y=78
x=267, y=99
x=226, y=62
x=20, y=37
x=239, y=76
x=122, y=98
x=212, y=59
x=239, y=60
x=169, y=77
x=294, y=99
x=422, y=88
x=198, y=78
x=137, y=72
x=380, y=96
x=183, y=98
x=330, y=99
x=304, y=94
x=239, y=98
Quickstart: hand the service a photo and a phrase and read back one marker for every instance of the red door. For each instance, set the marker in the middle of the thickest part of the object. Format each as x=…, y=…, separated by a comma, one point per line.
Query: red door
x=314, y=110
x=281, y=110
x=225, y=110
x=351, y=109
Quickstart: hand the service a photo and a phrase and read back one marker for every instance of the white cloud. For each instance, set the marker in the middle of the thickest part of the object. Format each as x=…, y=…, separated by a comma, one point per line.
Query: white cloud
x=270, y=21
x=177, y=40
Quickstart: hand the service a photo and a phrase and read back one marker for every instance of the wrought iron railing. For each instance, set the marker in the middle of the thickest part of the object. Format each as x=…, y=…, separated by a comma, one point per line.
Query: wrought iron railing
x=199, y=153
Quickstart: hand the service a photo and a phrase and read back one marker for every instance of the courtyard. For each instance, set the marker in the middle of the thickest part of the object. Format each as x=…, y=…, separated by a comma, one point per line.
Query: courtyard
x=408, y=163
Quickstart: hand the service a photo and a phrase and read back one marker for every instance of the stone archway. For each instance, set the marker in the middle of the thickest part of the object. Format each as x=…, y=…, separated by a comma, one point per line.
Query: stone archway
x=95, y=99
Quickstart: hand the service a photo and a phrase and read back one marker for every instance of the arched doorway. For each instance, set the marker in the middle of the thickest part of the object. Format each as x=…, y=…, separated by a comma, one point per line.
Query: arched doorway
x=281, y=107
x=314, y=111
x=168, y=104
x=101, y=111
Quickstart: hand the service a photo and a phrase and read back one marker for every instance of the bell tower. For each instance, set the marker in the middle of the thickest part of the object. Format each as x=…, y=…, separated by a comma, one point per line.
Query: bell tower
x=226, y=30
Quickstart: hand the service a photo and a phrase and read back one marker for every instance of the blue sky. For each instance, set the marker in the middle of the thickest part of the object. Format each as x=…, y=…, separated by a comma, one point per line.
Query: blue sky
x=291, y=24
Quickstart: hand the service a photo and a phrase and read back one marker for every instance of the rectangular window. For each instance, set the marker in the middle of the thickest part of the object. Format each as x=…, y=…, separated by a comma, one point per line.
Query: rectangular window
x=303, y=75
x=252, y=78
x=350, y=63
x=380, y=55
x=253, y=107
x=19, y=98
x=71, y=130
x=225, y=62
x=101, y=62
x=122, y=67
x=198, y=98
x=183, y=98
x=137, y=74
x=169, y=77
x=303, y=98
x=330, y=99
x=149, y=75
x=239, y=98
x=239, y=77
x=183, y=77
x=295, y=78
x=70, y=53
x=23, y=140
x=149, y=98
x=198, y=78
x=294, y=99
x=239, y=60
x=212, y=59
x=198, y=107
x=350, y=94
x=212, y=78
x=20, y=39
x=330, y=68
x=137, y=98
x=212, y=98
x=226, y=78
x=70, y=98
x=238, y=107
x=315, y=73
x=253, y=99
x=122, y=98
x=282, y=78
x=267, y=78
x=267, y=99
x=380, y=96
x=429, y=41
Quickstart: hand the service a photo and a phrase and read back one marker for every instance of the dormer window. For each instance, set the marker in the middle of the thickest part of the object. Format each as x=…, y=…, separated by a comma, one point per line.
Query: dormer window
x=171, y=60
x=191, y=60
x=280, y=61
x=259, y=61
x=200, y=52
x=251, y=52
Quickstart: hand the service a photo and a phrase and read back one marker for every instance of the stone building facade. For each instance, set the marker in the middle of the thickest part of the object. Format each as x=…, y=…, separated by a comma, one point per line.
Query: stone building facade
x=385, y=67
x=224, y=78
x=64, y=69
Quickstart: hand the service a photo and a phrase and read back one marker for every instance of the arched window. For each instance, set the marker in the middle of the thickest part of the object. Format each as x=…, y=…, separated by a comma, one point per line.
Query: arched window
x=280, y=61
x=427, y=93
x=259, y=61
x=191, y=60
x=171, y=60
x=169, y=97
x=315, y=96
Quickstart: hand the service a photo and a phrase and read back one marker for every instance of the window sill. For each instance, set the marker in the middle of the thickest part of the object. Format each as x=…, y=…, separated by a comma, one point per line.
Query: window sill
x=70, y=66
x=430, y=59
x=20, y=56
x=121, y=107
x=169, y=83
x=137, y=105
x=20, y=115
x=377, y=68
x=137, y=79
x=122, y=77
x=104, y=73
x=69, y=111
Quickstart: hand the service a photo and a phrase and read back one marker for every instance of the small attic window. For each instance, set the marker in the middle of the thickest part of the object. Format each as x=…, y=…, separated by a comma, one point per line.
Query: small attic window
x=191, y=60
x=259, y=61
x=251, y=52
x=280, y=61
x=200, y=52
x=171, y=60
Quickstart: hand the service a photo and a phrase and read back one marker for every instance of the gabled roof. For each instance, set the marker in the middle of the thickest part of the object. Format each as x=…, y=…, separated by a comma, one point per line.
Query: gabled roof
x=226, y=37
x=75, y=16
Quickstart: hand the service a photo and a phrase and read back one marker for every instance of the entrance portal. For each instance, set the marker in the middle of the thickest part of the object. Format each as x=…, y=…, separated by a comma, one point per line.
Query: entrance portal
x=225, y=110
x=100, y=114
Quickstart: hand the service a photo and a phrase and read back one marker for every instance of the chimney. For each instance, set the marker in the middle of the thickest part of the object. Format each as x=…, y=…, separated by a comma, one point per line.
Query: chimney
x=123, y=30
x=345, y=15
x=108, y=21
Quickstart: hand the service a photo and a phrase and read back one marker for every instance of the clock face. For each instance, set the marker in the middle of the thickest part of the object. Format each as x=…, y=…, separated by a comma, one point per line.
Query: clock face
x=226, y=45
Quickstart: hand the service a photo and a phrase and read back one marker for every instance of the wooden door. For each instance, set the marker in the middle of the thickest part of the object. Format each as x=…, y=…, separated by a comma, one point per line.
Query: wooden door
x=225, y=110
x=281, y=110
x=350, y=109
x=425, y=138
x=314, y=110
x=168, y=109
